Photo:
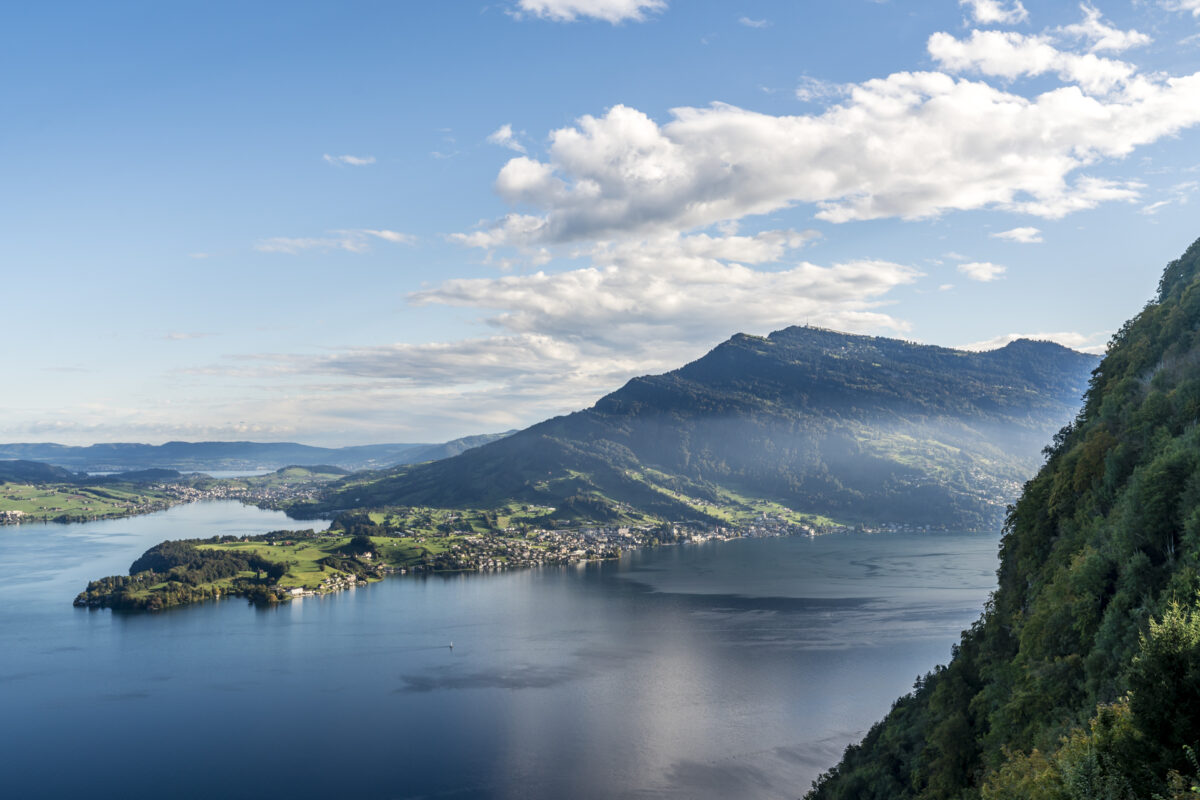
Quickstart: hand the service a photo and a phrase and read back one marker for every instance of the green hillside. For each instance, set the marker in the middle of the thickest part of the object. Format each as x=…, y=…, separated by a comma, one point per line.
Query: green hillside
x=854, y=428
x=1082, y=678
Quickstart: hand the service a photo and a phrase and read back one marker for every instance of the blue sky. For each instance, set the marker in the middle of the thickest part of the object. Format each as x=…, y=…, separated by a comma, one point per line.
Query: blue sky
x=362, y=222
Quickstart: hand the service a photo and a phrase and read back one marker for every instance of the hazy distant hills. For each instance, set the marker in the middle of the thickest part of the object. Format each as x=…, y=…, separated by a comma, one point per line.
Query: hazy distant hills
x=853, y=427
x=202, y=456
x=34, y=472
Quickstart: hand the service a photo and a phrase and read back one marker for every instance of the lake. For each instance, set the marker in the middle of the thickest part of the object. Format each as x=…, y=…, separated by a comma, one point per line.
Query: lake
x=720, y=670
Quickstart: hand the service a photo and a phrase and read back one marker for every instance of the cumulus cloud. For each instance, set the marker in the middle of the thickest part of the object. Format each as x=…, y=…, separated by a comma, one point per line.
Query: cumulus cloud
x=1025, y=235
x=996, y=12
x=505, y=137
x=613, y=11
x=682, y=289
x=1009, y=55
x=354, y=241
x=514, y=229
x=983, y=271
x=1100, y=35
x=1084, y=342
x=348, y=160
x=911, y=145
x=754, y=23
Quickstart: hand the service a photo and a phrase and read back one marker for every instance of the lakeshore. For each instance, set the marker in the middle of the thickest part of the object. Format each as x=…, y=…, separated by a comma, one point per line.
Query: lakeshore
x=283, y=565
x=365, y=547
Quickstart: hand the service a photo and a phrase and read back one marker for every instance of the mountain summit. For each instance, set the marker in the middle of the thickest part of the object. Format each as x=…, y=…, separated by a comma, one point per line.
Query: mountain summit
x=856, y=428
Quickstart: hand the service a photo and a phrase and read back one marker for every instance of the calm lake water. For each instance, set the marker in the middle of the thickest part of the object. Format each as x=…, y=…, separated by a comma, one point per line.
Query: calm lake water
x=723, y=670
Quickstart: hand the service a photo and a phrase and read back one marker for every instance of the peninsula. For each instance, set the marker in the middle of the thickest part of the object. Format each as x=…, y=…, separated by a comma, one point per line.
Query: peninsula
x=362, y=547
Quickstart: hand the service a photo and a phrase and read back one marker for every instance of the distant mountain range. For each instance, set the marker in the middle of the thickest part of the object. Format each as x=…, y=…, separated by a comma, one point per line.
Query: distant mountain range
x=203, y=456
x=857, y=428
x=34, y=472
x=17, y=470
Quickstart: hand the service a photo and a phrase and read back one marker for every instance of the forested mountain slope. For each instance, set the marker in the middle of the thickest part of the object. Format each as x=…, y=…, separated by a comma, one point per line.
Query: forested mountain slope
x=853, y=427
x=1082, y=678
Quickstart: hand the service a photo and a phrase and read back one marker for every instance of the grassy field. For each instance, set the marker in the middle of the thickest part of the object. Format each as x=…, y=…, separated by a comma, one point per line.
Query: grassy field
x=731, y=508
x=303, y=556
x=286, y=477
x=724, y=507
x=70, y=502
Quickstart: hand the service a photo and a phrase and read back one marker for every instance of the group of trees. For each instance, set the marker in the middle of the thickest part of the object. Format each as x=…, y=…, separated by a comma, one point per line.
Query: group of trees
x=177, y=573
x=1082, y=678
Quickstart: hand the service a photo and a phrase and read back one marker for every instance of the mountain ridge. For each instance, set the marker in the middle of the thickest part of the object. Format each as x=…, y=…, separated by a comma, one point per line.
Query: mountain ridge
x=220, y=455
x=825, y=422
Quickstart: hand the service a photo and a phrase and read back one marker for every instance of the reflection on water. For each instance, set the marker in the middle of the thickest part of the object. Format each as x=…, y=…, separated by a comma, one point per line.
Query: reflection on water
x=719, y=670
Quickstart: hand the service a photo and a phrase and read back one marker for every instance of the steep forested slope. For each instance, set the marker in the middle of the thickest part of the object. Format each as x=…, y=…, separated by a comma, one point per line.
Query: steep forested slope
x=1082, y=678
x=853, y=427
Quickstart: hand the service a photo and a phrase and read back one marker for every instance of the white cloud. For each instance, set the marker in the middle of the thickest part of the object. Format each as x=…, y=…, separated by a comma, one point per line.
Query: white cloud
x=1009, y=55
x=945, y=287
x=810, y=90
x=613, y=11
x=996, y=12
x=467, y=361
x=754, y=23
x=505, y=137
x=1026, y=235
x=911, y=145
x=513, y=230
x=349, y=161
x=984, y=271
x=395, y=237
x=1179, y=194
x=354, y=241
x=1102, y=36
x=680, y=289
x=443, y=389
x=1191, y=6
x=1084, y=342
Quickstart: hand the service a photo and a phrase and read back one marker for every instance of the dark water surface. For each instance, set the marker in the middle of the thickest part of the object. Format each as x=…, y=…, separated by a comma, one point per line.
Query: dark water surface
x=722, y=670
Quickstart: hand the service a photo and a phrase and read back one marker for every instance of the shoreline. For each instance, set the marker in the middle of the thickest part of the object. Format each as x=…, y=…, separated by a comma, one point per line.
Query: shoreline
x=284, y=565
